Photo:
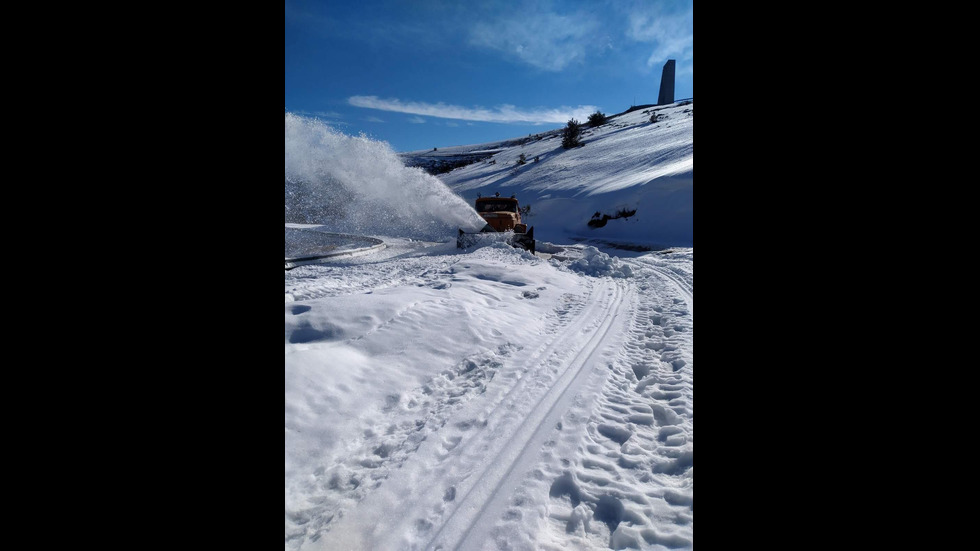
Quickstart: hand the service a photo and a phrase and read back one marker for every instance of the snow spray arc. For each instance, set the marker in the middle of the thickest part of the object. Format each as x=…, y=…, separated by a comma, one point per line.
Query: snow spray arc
x=359, y=185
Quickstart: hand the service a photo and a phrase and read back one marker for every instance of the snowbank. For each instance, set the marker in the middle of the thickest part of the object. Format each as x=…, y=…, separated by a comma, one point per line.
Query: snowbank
x=597, y=264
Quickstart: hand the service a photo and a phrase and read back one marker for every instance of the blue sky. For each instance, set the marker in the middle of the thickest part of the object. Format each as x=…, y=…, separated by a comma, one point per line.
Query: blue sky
x=436, y=73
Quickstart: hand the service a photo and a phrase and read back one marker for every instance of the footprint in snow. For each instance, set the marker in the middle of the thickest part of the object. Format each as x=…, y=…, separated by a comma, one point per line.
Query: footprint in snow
x=615, y=433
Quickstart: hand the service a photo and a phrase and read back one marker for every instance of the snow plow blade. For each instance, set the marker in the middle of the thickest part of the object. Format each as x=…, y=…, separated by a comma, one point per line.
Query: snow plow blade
x=488, y=235
x=525, y=240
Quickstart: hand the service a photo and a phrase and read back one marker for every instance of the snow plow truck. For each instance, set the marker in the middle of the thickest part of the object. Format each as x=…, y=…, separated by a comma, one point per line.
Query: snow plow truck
x=503, y=217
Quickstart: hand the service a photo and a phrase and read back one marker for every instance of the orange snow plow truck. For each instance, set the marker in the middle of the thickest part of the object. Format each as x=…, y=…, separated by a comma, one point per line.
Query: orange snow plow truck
x=503, y=217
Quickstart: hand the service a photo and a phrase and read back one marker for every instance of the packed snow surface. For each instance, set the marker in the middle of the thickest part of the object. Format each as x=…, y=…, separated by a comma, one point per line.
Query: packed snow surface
x=482, y=398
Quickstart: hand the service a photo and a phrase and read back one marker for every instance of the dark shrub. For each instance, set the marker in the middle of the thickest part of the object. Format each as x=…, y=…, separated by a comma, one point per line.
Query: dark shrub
x=597, y=118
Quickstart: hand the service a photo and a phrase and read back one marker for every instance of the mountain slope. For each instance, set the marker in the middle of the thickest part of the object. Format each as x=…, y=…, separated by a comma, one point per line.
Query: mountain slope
x=628, y=164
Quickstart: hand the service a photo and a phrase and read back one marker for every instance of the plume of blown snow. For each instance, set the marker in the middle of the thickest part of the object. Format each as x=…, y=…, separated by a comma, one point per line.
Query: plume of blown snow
x=354, y=184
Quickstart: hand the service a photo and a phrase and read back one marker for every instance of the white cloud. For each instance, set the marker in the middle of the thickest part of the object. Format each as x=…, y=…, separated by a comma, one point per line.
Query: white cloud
x=545, y=40
x=502, y=113
x=416, y=120
x=670, y=33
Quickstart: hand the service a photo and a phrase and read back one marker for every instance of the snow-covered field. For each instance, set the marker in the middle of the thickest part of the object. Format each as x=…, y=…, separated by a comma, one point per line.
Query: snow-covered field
x=487, y=398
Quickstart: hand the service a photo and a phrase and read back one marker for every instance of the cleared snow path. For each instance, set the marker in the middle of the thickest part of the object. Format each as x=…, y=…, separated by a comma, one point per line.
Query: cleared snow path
x=558, y=368
x=571, y=431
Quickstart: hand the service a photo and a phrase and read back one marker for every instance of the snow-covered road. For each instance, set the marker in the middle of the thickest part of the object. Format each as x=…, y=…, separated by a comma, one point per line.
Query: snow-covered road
x=489, y=399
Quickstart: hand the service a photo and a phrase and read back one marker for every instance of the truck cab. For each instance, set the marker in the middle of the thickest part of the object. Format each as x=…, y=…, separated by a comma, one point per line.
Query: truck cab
x=501, y=213
x=502, y=216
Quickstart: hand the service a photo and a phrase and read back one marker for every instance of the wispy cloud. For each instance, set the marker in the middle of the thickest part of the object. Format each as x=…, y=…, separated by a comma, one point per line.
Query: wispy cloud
x=546, y=40
x=671, y=32
x=502, y=113
x=416, y=120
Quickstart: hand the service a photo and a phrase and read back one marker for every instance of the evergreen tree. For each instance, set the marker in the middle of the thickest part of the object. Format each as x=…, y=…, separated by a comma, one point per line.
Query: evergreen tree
x=571, y=135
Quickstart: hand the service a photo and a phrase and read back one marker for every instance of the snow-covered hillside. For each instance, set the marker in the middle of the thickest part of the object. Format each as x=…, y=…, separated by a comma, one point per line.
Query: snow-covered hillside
x=488, y=398
x=627, y=164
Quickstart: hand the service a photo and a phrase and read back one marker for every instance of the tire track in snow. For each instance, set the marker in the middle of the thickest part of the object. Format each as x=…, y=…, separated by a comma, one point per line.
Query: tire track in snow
x=469, y=525
x=385, y=446
x=461, y=474
x=621, y=472
x=680, y=281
